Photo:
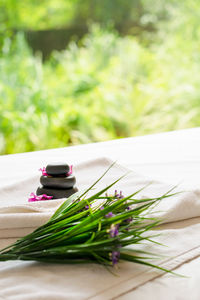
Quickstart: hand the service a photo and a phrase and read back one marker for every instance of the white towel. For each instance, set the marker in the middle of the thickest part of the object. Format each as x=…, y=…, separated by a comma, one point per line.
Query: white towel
x=31, y=281
x=19, y=217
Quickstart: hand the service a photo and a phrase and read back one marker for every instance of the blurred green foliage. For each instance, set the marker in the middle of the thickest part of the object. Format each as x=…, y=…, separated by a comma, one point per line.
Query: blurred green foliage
x=105, y=87
x=48, y=14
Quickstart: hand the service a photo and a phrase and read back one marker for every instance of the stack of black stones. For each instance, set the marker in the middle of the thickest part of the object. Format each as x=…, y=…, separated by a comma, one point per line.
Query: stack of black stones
x=57, y=181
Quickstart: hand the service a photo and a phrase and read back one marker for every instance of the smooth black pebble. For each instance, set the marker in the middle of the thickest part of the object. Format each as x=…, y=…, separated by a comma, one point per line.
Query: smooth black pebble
x=56, y=169
x=57, y=193
x=58, y=182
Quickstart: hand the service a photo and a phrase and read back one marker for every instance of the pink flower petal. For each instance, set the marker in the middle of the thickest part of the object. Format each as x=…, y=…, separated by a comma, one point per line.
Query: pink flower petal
x=43, y=170
x=43, y=197
x=44, y=173
x=70, y=171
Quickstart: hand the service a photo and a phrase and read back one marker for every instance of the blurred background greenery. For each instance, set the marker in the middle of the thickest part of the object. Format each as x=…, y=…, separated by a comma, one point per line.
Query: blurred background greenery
x=84, y=71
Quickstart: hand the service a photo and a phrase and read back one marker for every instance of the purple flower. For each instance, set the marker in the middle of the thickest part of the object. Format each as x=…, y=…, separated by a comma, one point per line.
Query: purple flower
x=115, y=255
x=121, y=196
x=101, y=208
x=114, y=230
x=34, y=197
x=129, y=220
x=109, y=215
x=84, y=208
x=118, y=195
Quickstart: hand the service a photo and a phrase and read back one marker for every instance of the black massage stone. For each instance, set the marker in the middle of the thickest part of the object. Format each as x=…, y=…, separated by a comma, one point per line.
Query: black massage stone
x=56, y=193
x=58, y=182
x=57, y=169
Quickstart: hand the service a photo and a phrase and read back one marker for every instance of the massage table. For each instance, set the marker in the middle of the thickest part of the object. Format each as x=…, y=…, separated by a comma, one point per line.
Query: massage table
x=165, y=159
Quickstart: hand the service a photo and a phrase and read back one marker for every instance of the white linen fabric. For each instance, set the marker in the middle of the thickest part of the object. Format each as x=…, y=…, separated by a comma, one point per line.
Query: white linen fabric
x=180, y=231
x=21, y=218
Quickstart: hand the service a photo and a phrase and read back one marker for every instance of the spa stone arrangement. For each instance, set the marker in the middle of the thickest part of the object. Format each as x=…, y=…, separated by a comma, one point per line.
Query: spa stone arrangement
x=57, y=181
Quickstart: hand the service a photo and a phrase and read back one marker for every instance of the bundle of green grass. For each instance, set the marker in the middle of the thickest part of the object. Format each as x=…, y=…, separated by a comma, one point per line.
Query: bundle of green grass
x=95, y=229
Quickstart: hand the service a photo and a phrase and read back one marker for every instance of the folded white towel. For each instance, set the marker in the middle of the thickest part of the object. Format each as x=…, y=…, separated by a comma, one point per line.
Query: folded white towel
x=18, y=216
x=52, y=281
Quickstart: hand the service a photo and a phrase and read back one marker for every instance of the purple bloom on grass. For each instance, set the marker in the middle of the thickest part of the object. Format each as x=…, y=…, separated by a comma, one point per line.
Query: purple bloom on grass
x=121, y=196
x=114, y=230
x=118, y=195
x=115, y=255
x=129, y=220
x=109, y=215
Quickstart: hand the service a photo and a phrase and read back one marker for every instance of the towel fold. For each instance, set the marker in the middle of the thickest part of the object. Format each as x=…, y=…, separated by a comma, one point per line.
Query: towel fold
x=19, y=217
